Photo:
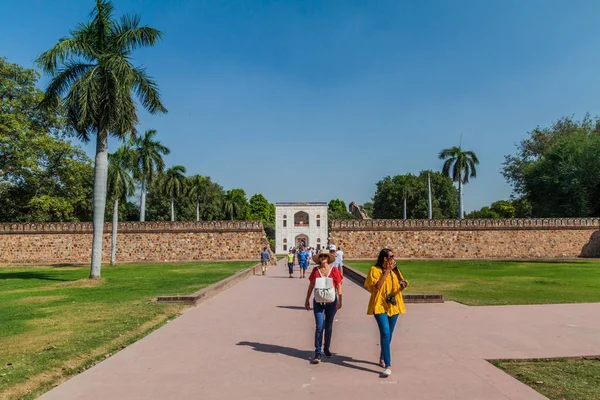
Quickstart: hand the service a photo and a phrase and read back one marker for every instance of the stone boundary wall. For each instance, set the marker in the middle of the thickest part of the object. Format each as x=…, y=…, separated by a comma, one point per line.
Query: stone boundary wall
x=70, y=242
x=497, y=238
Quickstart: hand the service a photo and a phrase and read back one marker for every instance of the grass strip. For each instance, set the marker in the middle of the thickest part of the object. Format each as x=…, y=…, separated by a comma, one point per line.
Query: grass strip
x=479, y=283
x=558, y=379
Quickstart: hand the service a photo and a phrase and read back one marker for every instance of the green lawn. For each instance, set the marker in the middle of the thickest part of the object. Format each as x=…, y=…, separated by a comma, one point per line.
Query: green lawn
x=558, y=379
x=55, y=323
x=502, y=282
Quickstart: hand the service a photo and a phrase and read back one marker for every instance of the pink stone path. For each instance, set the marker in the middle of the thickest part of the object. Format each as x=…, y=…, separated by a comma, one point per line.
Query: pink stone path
x=254, y=341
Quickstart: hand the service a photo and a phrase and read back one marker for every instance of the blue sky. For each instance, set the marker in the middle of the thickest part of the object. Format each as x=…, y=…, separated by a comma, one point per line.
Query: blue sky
x=314, y=100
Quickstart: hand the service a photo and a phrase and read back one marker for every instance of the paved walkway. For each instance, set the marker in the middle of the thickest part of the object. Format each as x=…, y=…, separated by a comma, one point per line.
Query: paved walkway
x=254, y=341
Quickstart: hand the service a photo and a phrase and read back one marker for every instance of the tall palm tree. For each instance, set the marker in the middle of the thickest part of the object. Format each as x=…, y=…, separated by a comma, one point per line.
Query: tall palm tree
x=197, y=188
x=233, y=203
x=120, y=185
x=460, y=166
x=206, y=193
x=94, y=80
x=148, y=164
x=407, y=191
x=173, y=184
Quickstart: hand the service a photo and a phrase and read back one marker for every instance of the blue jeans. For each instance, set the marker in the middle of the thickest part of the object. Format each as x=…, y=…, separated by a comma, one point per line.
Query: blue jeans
x=291, y=268
x=386, y=326
x=324, y=315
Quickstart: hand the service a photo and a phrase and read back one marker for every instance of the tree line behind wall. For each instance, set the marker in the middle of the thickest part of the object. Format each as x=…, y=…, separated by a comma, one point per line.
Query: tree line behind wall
x=45, y=177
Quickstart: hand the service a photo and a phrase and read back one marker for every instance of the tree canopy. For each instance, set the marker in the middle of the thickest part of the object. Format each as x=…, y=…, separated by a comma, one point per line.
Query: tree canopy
x=390, y=192
x=43, y=176
x=557, y=169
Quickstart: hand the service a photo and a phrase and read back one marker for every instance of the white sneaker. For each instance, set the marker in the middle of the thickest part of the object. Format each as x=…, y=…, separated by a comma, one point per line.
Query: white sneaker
x=387, y=372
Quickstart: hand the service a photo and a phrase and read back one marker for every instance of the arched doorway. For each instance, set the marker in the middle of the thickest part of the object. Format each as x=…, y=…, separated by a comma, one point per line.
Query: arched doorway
x=300, y=240
x=301, y=218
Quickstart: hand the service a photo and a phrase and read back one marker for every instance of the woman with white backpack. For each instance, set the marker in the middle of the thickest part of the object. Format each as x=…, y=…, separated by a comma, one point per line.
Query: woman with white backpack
x=325, y=282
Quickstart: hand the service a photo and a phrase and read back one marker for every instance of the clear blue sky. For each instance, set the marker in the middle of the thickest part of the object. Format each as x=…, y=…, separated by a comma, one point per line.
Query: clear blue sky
x=261, y=93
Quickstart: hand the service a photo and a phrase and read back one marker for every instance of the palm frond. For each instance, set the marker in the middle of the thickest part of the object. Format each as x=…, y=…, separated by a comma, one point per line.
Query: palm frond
x=128, y=35
x=62, y=52
x=147, y=91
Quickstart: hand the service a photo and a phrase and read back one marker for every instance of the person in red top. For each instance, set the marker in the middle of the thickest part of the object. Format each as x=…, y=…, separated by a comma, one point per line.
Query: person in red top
x=324, y=311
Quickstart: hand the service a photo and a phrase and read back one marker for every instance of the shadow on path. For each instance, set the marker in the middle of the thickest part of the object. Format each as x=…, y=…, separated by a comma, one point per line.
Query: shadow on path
x=293, y=307
x=306, y=355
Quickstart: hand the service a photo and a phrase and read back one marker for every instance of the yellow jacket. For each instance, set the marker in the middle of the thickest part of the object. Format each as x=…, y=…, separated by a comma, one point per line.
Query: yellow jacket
x=377, y=303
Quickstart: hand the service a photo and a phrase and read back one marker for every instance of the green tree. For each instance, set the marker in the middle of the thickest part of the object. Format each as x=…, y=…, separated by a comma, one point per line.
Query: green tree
x=501, y=209
x=337, y=205
x=460, y=166
x=92, y=69
x=197, y=185
x=173, y=184
x=235, y=204
x=392, y=195
x=260, y=209
x=539, y=142
x=43, y=177
x=336, y=209
x=120, y=185
x=368, y=208
x=564, y=181
x=554, y=173
x=24, y=126
x=483, y=213
x=148, y=164
x=388, y=200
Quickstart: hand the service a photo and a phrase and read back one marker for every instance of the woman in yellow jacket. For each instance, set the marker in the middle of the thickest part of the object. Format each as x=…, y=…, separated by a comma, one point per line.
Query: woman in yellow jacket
x=385, y=282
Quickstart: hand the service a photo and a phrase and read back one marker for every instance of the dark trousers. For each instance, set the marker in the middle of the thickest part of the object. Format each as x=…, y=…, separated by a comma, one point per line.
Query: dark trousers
x=324, y=316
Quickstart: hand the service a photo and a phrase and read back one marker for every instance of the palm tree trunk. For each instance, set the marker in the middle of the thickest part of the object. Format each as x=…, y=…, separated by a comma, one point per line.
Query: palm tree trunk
x=172, y=208
x=115, y=222
x=143, y=202
x=100, y=181
x=404, y=208
x=197, y=210
x=461, y=213
x=429, y=208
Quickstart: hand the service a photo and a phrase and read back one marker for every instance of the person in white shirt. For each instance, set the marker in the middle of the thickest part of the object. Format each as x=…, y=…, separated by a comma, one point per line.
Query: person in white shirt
x=339, y=255
x=338, y=263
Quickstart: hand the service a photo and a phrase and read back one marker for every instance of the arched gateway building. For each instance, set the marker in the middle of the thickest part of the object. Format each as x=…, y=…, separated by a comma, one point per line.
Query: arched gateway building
x=300, y=223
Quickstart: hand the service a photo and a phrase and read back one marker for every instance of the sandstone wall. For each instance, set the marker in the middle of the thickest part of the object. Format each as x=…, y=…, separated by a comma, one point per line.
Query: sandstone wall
x=56, y=243
x=509, y=238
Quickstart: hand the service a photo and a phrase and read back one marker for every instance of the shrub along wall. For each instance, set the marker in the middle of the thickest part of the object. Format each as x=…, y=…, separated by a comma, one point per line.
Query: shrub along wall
x=56, y=243
x=506, y=238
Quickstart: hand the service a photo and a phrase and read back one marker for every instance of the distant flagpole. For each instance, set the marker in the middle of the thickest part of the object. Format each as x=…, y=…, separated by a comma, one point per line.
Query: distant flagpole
x=429, y=212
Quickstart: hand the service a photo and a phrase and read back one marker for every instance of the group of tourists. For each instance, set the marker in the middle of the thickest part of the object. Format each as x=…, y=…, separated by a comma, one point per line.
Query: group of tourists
x=385, y=283
x=305, y=256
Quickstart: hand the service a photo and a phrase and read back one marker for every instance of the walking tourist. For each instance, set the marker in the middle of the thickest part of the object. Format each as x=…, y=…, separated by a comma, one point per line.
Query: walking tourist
x=290, y=263
x=337, y=263
x=264, y=260
x=303, y=261
x=385, y=282
x=325, y=283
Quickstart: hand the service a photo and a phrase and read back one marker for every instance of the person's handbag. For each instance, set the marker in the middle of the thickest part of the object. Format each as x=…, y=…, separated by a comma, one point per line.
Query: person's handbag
x=324, y=290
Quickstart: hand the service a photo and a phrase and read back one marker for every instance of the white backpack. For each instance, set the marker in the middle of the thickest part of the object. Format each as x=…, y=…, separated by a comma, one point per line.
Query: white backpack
x=324, y=289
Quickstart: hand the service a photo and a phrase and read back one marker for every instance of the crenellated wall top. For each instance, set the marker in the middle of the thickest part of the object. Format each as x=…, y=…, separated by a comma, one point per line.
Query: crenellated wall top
x=463, y=225
x=125, y=227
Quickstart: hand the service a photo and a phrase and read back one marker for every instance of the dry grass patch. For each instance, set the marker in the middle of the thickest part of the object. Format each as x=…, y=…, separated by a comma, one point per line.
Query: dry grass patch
x=81, y=283
x=41, y=299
